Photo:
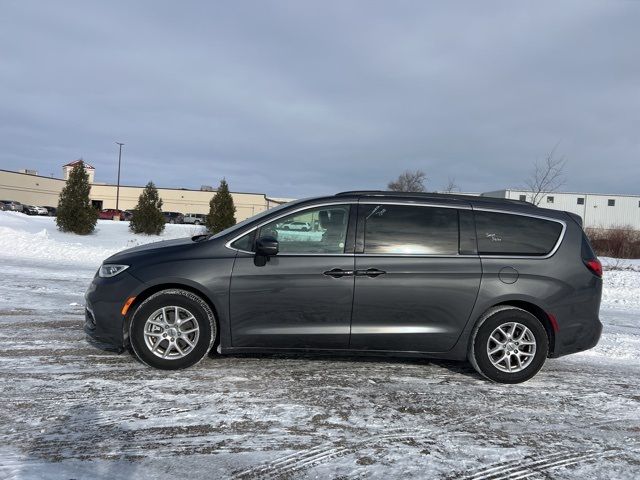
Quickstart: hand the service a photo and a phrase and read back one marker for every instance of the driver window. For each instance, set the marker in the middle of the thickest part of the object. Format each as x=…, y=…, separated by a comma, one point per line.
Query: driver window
x=317, y=230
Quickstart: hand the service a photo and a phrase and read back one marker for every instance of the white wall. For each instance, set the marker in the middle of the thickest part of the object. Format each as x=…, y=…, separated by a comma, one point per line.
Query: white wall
x=595, y=212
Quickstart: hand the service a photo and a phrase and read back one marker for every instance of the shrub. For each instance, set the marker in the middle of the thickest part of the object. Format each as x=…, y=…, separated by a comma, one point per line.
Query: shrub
x=618, y=242
x=221, y=210
x=147, y=216
x=75, y=213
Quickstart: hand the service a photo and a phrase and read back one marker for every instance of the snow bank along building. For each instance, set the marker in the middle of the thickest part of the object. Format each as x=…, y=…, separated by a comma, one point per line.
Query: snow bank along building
x=597, y=210
x=29, y=188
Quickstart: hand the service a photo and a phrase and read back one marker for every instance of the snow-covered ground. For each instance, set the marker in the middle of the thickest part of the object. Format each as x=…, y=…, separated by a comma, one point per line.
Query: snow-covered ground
x=73, y=411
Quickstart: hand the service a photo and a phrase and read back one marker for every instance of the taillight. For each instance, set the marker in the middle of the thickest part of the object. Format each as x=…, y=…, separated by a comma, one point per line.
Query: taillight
x=595, y=266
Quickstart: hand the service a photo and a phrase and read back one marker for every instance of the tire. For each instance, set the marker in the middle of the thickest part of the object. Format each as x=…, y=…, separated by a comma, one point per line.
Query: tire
x=197, y=222
x=172, y=221
x=519, y=343
x=159, y=342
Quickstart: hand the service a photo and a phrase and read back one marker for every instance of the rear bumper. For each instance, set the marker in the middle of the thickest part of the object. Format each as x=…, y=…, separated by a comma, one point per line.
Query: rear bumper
x=104, y=323
x=577, y=338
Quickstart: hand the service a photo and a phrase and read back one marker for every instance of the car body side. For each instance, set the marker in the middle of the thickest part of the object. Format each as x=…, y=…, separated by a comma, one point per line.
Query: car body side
x=556, y=288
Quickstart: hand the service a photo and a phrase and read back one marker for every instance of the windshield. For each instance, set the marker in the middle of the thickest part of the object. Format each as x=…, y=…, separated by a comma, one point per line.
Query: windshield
x=258, y=216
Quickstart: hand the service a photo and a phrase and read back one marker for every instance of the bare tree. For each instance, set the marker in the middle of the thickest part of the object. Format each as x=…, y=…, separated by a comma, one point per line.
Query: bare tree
x=409, y=181
x=451, y=186
x=547, y=176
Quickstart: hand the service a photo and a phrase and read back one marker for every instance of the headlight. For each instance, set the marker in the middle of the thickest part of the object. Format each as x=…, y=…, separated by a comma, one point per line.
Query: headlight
x=107, y=271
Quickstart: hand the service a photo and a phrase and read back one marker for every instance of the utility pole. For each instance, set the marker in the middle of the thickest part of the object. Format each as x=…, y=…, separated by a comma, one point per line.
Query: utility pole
x=118, y=186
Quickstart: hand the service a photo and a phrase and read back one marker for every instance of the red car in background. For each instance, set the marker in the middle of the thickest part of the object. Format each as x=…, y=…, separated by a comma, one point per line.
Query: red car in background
x=110, y=213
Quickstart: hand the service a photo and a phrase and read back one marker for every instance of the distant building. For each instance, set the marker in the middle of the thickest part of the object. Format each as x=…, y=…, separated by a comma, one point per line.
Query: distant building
x=597, y=210
x=31, y=189
x=28, y=172
x=66, y=169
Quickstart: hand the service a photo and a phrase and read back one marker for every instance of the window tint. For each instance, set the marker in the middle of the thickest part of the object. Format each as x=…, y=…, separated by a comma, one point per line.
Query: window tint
x=316, y=230
x=505, y=234
x=403, y=229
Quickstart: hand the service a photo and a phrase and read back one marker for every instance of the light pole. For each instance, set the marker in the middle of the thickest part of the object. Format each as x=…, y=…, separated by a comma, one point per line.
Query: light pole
x=118, y=185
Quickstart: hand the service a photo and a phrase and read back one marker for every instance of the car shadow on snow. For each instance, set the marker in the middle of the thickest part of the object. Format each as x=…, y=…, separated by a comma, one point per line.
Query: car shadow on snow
x=455, y=367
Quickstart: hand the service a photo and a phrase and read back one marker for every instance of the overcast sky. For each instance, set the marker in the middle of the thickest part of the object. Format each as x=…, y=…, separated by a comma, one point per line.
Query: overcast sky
x=303, y=98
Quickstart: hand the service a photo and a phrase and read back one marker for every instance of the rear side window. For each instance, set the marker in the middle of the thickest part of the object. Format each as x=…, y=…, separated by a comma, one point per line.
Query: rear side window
x=400, y=229
x=507, y=234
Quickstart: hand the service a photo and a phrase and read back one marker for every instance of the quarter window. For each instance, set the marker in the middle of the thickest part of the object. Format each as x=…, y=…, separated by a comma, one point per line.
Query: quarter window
x=316, y=230
x=506, y=234
x=245, y=242
x=400, y=229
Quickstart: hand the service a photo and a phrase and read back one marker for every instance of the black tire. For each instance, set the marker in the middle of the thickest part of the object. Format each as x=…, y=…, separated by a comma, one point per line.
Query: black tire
x=197, y=222
x=183, y=299
x=480, y=341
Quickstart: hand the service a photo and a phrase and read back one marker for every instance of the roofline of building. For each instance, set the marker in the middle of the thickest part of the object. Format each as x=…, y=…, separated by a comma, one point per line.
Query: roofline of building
x=132, y=186
x=566, y=193
x=87, y=165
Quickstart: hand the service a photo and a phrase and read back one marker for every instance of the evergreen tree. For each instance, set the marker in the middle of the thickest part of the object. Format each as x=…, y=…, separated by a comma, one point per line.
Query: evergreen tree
x=221, y=210
x=147, y=216
x=75, y=213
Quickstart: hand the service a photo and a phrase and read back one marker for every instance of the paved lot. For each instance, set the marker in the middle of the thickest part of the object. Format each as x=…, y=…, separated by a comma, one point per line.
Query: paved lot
x=73, y=411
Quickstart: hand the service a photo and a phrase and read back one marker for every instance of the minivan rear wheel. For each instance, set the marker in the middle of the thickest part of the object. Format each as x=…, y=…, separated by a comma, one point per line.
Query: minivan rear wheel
x=172, y=329
x=509, y=345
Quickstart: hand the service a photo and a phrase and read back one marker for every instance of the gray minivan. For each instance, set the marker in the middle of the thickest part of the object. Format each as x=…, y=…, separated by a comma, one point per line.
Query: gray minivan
x=501, y=283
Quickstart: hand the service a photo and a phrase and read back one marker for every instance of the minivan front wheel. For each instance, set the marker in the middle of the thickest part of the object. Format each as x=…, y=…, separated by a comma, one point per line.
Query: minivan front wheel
x=172, y=329
x=509, y=345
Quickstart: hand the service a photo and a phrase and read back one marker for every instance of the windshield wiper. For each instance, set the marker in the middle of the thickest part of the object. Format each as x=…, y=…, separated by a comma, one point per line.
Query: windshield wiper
x=201, y=237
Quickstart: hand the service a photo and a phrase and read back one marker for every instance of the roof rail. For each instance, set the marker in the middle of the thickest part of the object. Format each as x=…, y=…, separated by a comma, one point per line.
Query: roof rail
x=444, y=196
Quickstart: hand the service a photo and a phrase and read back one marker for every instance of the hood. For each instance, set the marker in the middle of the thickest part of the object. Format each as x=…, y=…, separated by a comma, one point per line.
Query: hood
x=148, y=248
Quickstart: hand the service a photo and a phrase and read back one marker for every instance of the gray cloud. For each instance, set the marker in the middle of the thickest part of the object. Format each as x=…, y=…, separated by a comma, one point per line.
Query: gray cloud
x=300, y=98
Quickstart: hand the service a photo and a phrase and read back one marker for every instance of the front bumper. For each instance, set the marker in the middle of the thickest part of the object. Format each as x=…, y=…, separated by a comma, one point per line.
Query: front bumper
x=104, y=299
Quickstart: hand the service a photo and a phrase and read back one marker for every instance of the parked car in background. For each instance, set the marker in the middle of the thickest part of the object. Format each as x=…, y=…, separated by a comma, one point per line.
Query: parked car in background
x=42, y=211
x=173, y=217
x=128, y=214
x=293, y=225
x=51, y=211
x=13, y=205
x=501, y=283
x=3, y=207
x=195, y=218
x=110, y=213
x=33, y=210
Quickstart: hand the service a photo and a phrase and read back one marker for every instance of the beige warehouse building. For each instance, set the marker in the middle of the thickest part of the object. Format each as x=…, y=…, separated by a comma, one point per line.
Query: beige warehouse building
x=29, y=188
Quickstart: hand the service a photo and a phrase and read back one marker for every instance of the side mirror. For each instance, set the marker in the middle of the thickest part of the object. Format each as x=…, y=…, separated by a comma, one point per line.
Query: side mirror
x=267, y=246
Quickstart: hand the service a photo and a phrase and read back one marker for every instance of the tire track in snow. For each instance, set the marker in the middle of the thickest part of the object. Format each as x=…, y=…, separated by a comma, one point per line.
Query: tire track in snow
x=534, y=465
x=307, y=458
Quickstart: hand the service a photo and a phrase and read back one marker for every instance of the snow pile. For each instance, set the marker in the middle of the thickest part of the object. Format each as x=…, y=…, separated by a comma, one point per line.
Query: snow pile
x=38, y=239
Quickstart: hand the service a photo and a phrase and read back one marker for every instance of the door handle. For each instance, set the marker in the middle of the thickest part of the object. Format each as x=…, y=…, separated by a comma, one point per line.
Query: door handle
x=370, y=272
x=338, y=272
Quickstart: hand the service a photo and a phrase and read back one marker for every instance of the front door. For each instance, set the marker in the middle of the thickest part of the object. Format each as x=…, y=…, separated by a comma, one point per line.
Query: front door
x=414, y=291
x=301, y=297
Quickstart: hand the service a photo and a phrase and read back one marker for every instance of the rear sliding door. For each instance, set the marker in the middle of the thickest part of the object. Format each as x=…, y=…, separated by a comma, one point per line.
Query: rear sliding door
x=417, y=278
